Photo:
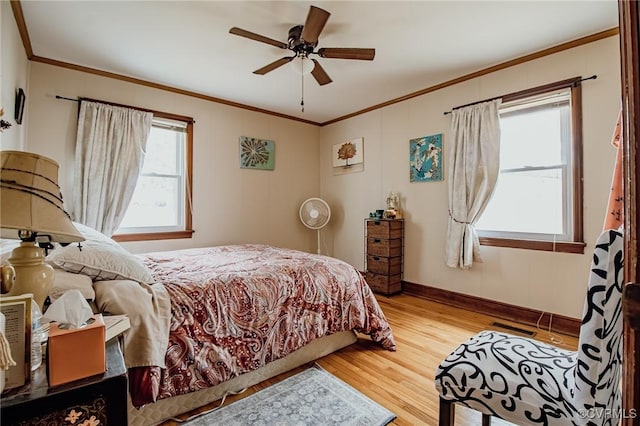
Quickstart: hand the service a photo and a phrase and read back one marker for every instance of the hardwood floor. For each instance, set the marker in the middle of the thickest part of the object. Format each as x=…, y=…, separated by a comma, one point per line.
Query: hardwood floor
x=402, y=381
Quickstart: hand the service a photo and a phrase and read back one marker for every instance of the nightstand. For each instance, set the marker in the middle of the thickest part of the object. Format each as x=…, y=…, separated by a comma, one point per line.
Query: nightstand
x=384, y=252
x=103, y=396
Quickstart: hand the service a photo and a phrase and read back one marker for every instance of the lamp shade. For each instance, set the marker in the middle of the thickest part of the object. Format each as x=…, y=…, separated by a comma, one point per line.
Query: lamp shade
x=30, y=198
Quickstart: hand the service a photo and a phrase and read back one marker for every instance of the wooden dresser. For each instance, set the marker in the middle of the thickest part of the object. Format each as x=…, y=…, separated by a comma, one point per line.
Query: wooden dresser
x=384, y=250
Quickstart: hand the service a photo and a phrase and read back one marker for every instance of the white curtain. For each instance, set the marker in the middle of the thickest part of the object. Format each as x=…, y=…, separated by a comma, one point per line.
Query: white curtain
x=110, y=148
x=473, y=168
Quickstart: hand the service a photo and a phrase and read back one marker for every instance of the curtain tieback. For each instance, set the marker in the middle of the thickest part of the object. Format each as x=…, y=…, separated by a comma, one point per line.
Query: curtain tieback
x=458, y=221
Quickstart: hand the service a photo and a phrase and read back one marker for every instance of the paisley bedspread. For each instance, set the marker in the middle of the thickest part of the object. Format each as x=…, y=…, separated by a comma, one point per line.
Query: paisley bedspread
x=237, y=308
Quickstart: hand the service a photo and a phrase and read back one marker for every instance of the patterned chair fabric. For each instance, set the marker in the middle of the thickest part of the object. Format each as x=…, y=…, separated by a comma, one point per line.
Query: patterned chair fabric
x=528, y=382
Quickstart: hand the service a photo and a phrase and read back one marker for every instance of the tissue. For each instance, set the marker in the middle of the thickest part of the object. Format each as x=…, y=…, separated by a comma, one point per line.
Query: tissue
x=70, y=310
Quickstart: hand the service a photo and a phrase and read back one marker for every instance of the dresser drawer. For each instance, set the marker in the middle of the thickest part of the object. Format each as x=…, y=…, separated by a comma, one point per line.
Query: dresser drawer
x=384, y=247
x=383, y=283
x=384, y=265
x=385, y=228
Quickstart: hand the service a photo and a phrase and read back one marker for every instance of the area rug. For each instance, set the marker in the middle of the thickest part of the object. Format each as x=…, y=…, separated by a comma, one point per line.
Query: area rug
x=312, y=397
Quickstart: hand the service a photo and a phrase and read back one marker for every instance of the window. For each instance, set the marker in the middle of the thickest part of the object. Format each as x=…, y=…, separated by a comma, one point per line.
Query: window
x=161, y=204
x=537, y=202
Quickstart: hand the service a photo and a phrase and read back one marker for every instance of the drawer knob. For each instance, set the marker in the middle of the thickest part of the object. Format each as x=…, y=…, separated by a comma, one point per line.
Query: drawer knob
x=377, y=240
x=377, y=223
x=376, y=258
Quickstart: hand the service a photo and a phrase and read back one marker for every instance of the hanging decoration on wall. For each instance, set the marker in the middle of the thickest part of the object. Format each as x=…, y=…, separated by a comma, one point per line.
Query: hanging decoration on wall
x=257, y=153
x=348, y=156
x=19, y=105
x=425, y=159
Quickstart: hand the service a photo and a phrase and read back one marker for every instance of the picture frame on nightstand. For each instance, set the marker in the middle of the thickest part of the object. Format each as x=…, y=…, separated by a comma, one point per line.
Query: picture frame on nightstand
x=17, y=312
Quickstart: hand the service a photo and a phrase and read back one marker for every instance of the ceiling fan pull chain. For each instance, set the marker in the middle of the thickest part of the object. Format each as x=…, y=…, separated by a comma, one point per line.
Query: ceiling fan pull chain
x=302, y=99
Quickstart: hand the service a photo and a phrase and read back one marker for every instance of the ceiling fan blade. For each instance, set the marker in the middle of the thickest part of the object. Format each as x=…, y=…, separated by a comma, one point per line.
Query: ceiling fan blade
x=347, y=53
x=257, y=37
x=320, y=74
x=273, y=65
x=314, y=24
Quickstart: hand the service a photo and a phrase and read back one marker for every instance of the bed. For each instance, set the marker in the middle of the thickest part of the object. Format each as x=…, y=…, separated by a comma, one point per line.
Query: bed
x=210, y=320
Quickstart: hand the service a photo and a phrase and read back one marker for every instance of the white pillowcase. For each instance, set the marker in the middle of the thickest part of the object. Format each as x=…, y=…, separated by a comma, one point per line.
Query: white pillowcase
x=100, y=258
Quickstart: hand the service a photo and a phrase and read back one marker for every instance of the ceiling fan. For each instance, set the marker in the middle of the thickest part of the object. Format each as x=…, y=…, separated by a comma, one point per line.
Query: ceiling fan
x=302, y=41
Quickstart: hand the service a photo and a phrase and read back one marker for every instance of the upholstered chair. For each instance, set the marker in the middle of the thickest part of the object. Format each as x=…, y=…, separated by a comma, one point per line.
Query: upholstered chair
x=528, y=382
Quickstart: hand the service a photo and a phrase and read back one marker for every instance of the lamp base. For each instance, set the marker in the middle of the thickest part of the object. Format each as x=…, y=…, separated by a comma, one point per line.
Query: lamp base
x=30, y=272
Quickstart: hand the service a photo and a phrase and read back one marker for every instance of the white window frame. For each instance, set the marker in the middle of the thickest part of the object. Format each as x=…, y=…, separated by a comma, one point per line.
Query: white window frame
x=571, y=240
x=184, y=166
x=529, y=105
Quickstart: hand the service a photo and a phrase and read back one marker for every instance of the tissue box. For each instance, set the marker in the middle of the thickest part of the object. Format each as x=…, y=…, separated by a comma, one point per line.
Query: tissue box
x=76, y=353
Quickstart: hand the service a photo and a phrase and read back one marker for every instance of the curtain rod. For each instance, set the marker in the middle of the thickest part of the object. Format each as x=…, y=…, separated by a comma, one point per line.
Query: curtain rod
x=188, y=119
x=593, y=77
x=67, y=99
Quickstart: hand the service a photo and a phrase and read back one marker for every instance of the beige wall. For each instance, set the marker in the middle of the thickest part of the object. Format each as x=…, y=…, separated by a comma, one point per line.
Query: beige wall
x=552, y=282
x=14, y=69
x=230, y=205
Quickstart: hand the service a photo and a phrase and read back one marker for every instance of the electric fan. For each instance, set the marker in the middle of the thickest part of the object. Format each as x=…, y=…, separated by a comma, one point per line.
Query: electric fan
x=315, y=214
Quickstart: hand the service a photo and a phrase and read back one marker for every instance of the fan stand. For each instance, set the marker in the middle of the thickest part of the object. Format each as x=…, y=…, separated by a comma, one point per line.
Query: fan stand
x=318, y=241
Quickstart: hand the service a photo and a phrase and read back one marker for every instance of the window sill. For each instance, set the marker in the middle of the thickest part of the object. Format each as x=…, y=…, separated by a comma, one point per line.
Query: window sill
x=558, y=246
x=153, y=236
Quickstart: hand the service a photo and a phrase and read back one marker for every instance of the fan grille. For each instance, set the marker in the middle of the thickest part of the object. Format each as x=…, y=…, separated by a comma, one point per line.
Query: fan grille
x=315, y=213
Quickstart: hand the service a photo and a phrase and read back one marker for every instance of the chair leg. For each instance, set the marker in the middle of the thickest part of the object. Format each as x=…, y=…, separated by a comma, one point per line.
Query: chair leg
x=447, y=413
x=486, y=419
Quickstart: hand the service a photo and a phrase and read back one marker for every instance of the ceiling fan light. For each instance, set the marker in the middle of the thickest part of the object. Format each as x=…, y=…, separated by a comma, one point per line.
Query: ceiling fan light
x=302, y=66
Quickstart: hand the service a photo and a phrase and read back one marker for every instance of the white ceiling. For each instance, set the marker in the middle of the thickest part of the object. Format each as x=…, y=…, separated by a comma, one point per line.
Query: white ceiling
x=187, y=45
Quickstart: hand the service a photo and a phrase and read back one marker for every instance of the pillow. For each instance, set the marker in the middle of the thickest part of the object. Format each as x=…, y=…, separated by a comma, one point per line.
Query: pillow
x=64, y=281
x=6, y=247
x=100, y=258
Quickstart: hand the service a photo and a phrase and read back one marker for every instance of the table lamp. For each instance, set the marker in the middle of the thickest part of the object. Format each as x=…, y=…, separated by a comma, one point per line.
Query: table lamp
x=32, y=211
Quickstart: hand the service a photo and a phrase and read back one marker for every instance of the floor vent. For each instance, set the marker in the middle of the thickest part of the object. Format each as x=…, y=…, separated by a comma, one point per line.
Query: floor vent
x=514, y=330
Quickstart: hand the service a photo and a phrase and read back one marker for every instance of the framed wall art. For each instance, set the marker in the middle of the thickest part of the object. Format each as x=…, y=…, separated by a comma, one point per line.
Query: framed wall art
x=348, y=157
x=257, y=153
x=425, y=159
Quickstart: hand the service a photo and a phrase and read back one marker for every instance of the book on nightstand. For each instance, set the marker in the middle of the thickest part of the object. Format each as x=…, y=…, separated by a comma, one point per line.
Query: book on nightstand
x=115, y=325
